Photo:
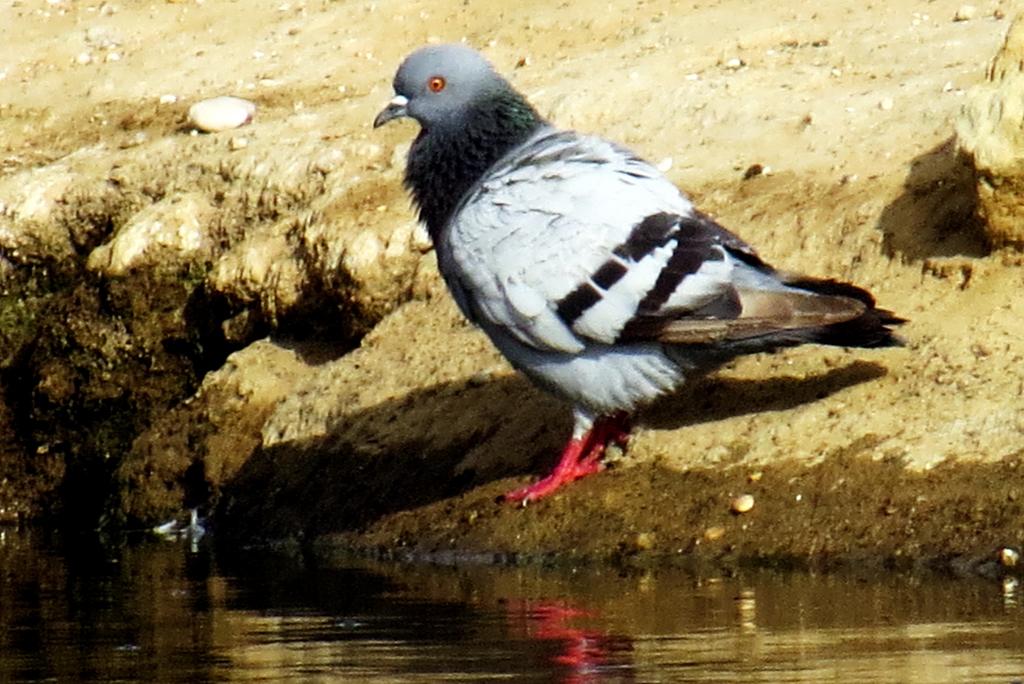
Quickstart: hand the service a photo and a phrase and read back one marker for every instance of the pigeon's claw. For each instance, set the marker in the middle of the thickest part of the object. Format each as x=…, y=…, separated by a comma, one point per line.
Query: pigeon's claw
x=581, y=457
x=578, y=460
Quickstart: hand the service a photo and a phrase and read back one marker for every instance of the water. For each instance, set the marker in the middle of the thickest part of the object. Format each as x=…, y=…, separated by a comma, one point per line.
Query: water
x=160, y=612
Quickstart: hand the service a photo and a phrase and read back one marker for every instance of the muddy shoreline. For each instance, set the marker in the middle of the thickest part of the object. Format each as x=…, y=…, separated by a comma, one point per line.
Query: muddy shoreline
x=850, y=512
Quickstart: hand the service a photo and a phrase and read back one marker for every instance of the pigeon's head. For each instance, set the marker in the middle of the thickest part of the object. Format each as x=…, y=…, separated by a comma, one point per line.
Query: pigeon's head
x=436, y=85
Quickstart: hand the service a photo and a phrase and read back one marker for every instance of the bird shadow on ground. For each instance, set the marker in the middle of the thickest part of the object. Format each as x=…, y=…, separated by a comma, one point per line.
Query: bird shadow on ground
x=717, y=398
x=937, y=213
x=444, y=441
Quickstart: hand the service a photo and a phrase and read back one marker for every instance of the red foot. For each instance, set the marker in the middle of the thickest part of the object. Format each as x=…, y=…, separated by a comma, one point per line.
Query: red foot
x=581, y=457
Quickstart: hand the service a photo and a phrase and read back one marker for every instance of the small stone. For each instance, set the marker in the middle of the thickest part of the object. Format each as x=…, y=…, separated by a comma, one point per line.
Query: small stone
x=1009, y=557
x=421, y=241
x=742, y=504
x=734, y=63
x=479, y=379
x=238, y=143
x=613, y=454
x=168, y=99
x=886, y=104
x=965, y=13
x=753, y=171
x=83, y=58
x=714, y=533
x=644, y=541
x=755, y=476
x=221, y=113
x=134, y=140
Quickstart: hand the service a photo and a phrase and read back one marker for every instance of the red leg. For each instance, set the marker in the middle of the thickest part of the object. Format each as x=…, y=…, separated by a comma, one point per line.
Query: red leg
x=581, y=457
x=563, y=473
x=607, y=430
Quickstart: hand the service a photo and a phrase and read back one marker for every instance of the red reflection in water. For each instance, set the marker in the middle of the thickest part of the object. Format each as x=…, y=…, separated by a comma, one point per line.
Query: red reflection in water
x=590, y=655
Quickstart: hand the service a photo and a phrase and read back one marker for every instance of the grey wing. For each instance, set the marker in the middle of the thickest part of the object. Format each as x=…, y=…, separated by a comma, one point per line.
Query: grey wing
x=572, y=241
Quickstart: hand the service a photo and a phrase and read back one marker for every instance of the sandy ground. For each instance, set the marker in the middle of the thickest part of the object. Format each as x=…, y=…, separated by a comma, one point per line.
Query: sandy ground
x=847, y=109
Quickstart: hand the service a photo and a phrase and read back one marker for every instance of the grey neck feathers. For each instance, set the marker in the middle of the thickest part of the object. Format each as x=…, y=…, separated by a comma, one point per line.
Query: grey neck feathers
x=446, y=161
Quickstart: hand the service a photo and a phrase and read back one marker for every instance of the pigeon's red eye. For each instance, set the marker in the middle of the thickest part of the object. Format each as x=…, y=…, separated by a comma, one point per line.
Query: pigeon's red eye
x=436, y=84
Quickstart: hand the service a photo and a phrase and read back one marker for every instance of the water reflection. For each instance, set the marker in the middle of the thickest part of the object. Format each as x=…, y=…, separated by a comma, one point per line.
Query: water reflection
x=88, y=612
x=584, y=654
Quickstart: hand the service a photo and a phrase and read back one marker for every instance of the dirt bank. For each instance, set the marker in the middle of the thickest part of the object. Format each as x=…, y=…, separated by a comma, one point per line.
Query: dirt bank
x=299, y=365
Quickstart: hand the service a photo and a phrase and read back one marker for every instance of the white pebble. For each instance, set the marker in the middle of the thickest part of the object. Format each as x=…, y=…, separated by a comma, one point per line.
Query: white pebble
x=886, y=104
x=221, y=113
x=742, y=504
x=238, y=143
x=168, y=99
x=965, y=13
x=83, y=58
x=1008, y=557
x=136, y=139
x=733, y=63
x=421, y=238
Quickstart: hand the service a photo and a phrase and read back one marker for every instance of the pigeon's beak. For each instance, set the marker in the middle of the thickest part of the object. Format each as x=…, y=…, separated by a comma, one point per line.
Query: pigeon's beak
x=396, y=109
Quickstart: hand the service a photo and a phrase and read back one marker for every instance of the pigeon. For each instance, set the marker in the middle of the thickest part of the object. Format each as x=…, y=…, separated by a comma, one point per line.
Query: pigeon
x=590, y=271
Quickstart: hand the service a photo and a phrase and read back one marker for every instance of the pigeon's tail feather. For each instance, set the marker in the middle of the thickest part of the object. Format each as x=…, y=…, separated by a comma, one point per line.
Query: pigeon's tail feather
x=871, y=328
x=804, y=310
